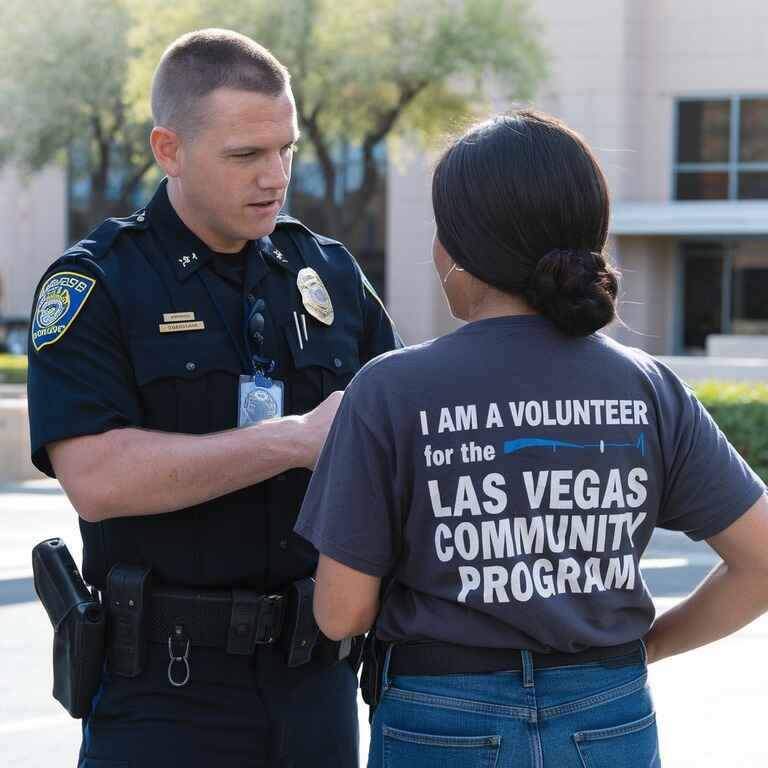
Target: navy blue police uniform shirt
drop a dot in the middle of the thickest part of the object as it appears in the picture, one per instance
(98, 362)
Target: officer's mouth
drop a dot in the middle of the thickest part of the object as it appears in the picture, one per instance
(266, 206)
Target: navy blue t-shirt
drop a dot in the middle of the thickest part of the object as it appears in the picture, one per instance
(505, 480)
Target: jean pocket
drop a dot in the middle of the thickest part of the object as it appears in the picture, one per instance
(404, 748)
(634, 745)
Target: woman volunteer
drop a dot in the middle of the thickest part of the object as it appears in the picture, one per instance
(504, 480)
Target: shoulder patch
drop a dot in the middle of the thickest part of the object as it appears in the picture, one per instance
(59, 302)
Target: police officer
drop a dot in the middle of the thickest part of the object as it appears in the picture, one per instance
(185, 365)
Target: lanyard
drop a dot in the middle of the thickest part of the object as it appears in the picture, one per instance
(254, 363)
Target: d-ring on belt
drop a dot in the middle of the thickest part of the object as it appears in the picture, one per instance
(236, 621)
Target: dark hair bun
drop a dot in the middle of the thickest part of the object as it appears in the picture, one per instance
(575, 289)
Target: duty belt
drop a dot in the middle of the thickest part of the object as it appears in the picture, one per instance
(235, 620)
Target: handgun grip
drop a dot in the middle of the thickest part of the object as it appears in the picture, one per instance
(57, 580)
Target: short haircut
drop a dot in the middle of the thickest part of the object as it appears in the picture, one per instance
(198, 63)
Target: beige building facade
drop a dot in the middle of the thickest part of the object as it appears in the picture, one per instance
(673, 97)
(33, 231)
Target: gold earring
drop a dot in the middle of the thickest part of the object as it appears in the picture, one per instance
(448, 274)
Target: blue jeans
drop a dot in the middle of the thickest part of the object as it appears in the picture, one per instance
(593, 715)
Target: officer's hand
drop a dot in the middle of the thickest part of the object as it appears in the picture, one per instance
(317, 423)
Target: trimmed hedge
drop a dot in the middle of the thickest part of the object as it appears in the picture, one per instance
(741, 411)
(13, 369)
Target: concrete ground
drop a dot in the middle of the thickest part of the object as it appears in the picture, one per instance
(710, 702)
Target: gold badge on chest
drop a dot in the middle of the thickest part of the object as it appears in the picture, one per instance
(314, 296)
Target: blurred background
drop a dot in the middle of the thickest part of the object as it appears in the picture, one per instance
(671, 94)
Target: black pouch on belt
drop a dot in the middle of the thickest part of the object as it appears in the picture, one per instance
(300, 630)
(374, 652)
(78, 626)
(128, 608)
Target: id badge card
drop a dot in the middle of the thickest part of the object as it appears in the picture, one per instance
(260, 398)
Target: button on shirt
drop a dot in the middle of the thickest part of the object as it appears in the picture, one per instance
(112, 367)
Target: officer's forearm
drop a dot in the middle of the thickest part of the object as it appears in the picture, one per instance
(130, 472)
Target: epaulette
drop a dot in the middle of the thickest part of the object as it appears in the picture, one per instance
(97, 243)
(288, 221)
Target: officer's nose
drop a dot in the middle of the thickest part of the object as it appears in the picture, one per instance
(275, 173)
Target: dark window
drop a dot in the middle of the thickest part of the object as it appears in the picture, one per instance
(706, 185)
(753, 131)
(725, 290)
(753, 185)
(749, 285)
(702, 295)
(722, 149)
(704, 129)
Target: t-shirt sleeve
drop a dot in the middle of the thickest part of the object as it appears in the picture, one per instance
(80, 379)
(708, 484)
(351, 511)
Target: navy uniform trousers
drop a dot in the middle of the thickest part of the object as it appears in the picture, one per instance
(236, 712)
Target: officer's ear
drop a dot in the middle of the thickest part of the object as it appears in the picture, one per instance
(166, 147)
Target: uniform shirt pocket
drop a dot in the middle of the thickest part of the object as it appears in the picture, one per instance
(324, 361)
(188, 382)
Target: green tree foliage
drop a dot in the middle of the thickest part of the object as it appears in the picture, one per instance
(361, 72)
(63, 76)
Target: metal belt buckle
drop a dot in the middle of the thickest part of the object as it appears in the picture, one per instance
(269, 622)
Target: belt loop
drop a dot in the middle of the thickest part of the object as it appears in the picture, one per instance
(527, 668)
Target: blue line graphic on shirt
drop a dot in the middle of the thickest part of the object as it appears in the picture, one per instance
(512, 446)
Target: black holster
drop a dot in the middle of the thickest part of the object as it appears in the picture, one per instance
(300, 631)
(374, 653)
(79, 626)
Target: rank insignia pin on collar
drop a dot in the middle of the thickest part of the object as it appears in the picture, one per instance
(185, 261)
(314, 295)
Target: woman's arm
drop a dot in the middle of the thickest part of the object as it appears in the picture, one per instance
(346, 601)
(733, 594)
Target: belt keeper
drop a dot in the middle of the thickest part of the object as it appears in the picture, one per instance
(241, 638)
(255, 620)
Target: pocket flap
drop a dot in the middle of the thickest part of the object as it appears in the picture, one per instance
(182, 356)
(327, 347)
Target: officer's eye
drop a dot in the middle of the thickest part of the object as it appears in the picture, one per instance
(290, 149)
